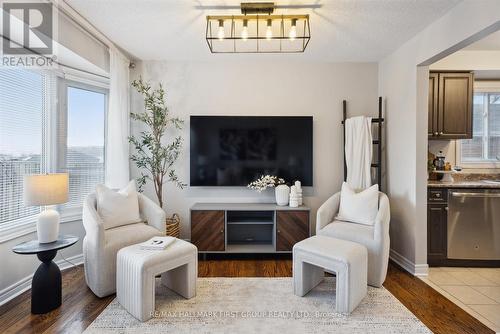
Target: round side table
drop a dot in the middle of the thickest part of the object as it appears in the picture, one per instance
(46, 284)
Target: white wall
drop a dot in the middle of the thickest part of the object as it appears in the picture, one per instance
(469, 60)
(263, 88)
(404, 87)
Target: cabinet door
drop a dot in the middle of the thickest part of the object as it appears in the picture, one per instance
(207, 230)
(455, 105)
(433, 105)
(291, 227)
(436, 233)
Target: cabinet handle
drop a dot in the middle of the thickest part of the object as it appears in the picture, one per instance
(446, 208)
(441, 133)
(436, 133)
(221, 231)
(279, 231)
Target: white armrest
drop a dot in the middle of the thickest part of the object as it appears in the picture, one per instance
(94, 226)
(383, 218)
(152, 213)
(327, 212)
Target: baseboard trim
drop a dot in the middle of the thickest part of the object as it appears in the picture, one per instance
(409, 266)
(24, 284)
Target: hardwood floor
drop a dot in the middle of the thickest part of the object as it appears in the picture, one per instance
(80, 306)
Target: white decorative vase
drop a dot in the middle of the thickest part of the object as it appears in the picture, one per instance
(282, 193)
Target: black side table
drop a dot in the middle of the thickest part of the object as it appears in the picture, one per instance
(46, 285)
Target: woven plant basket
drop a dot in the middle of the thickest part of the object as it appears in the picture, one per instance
(174, 226)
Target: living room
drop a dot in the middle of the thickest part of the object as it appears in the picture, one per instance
(239, 131)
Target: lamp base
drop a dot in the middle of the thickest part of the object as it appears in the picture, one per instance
(47, 226)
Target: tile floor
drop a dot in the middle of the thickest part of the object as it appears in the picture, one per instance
(476, 290)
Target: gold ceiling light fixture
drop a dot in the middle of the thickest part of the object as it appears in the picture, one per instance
(258, 30)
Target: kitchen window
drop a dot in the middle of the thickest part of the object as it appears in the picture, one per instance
(483, 150)
(48, 124)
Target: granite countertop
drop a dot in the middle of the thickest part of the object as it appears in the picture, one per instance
(468, 180)
(464, 184)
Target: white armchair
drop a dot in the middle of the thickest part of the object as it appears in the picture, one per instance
(100, 245)
(375, 238)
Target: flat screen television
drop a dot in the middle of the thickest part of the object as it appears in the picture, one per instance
(236, 150)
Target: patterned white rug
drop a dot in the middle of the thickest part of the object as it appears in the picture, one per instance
(261, 305)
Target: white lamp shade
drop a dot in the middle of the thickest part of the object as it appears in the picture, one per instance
(45, 189)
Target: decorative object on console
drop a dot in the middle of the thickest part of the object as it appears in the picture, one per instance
(264, 182)
(46, 189)
(152, 155)
(294, 200)
(298, 192)
(282, 193)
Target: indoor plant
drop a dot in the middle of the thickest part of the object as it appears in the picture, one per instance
(152, 156)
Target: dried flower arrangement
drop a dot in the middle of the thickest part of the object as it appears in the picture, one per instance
(266, 181)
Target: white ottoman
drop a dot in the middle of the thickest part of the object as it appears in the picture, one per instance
(136, 270)
(349, 260)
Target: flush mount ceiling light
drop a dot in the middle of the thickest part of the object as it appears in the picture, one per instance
(258, 31)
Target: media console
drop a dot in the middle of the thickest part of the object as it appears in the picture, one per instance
(248, 228)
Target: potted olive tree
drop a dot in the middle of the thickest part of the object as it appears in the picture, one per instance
(155, 154)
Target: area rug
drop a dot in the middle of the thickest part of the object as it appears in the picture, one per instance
(261, 305)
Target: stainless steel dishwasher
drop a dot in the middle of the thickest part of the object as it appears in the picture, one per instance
(474, 224)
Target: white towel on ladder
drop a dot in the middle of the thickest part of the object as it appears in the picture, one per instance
(358, 151)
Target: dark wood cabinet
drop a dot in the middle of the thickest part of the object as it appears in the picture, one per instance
(433, 104)
(437, 226)
(450, 105)
(207, 230)
(291, 227)
(437, 217)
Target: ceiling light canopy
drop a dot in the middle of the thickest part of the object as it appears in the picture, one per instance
(258, 31)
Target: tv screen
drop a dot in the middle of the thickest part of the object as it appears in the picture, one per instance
(236, 150)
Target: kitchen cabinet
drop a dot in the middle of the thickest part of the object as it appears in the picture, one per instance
(450, 105)
(437, 218)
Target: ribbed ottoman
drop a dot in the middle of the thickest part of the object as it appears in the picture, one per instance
(349, 260)
(137, 268)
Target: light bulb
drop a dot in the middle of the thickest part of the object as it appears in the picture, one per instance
(293, 30)
(220, 33)
(269, 31)
(244, 32)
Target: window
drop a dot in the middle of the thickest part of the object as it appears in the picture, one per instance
(37, 135)
(22, 119)
(82, 122)
(483, 150)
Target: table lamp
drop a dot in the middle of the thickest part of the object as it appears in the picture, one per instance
(46, 190)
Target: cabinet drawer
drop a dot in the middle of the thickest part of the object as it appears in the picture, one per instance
(437, 195)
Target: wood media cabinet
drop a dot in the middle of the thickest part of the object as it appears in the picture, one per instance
(248, 228)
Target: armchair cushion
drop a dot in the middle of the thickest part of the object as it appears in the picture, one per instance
(361, 207)
(117, 208)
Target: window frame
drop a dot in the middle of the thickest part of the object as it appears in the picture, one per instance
(53, 108)
(63, 83)
(480, 86)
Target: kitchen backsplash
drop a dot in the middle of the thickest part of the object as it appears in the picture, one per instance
(449, 149)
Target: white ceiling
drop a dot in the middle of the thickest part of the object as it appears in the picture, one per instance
(341, 30)
(489, 43)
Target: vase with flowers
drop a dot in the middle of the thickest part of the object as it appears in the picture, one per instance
(282, 191)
